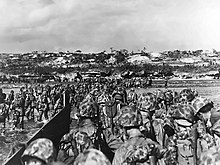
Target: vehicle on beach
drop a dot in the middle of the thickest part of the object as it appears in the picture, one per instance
(37, 78)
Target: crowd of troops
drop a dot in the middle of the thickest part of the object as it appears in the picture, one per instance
(118, 125)
(31, 103)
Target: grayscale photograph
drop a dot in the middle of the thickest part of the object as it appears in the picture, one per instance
(109, 82)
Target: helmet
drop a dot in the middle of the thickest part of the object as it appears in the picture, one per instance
(210, 157)
(82, 139)
(215, 116)
(88, 109)
(138, 154)
(130, 117)
(41, 149)
(168, 96)
(90, 157)
(202, 104)
(183, 114)
(147, 102)
(159, 95)
(187, 95)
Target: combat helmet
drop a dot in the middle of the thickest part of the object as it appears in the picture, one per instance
(168, 97)
(130, 116)
(41, 149)
(183, 114)
(187, 95)
(88, 109)
(83, 140)
(202, 104)
(90, 157)
(147, 102)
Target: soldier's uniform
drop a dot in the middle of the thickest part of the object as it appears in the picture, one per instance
(203, 107)
(73, 144)
(2, 96)
(190, 136)
(182, 118)
(90, 157)
(215, 129)
(88, 123)
(187, 95)
(137, 149)
(147, 104)
(132, 96)
(102, 100)
(43, 107)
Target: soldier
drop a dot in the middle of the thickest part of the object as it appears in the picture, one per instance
(39, 152)
(16, 111)
(179, 132)
(147, 104)
(22, 105)
(137, 149)
(120, 95)
(3, 114)
(30, 105)
(187, 95)
(2, 96)
(102, 100)
(90, 128)
(44, 107)
(90, 157)
(78, 98)
(11, 96)
(203, 107)
(132, 96)
(215, 129)
(74, 143)
(10, 100)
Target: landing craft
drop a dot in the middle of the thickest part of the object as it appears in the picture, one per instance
(53, 130)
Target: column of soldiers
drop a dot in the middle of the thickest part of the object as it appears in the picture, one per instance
(160, 127)
(32, 103)
(151, 128)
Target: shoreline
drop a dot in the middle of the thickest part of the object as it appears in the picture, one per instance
(156, 82)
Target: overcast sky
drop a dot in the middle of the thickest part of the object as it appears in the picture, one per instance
(96, 25)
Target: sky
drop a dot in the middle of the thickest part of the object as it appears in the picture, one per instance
(97, 25)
